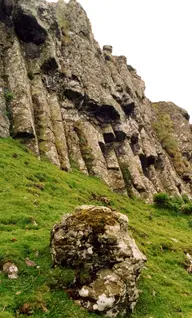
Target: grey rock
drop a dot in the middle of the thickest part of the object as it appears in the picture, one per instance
(95, 242)
(11, 270)
(108, 48)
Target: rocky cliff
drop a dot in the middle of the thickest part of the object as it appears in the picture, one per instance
(79, 105)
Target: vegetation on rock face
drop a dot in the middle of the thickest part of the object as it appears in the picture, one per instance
(63, 22)
(30, 75)
(127, 178)
(163, 127)
(8, 96)
(34, 195)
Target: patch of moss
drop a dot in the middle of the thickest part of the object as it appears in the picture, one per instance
(127, 179)
(97, 219)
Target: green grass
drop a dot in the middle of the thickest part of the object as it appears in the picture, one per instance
(34, 195)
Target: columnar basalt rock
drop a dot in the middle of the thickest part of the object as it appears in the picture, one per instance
(75, 103)
(94, 241)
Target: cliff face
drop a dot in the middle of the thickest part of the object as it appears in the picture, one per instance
(77, 104)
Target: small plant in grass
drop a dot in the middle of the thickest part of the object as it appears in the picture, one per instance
(175, 203)
(61, 278)
(185, 198)
(190, 223)
(162, 200)
(187, 208)
(5, 314)
(165, 201)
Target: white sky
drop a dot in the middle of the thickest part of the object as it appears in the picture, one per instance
(156, 38)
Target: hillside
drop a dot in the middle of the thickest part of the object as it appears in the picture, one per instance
(35, 194)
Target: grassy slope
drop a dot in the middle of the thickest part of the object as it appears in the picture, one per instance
(31, 190)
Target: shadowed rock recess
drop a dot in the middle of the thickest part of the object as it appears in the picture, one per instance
(72, 102)
(94, 241)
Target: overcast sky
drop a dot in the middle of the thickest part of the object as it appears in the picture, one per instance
(156, 38)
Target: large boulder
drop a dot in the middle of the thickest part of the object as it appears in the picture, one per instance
(95, 242)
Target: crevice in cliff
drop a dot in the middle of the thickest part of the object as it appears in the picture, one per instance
(24, 135)
(146, 162)
(134, 143)
(86, 151)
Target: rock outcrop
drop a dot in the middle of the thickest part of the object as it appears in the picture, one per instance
(94, 241)
(75, 103)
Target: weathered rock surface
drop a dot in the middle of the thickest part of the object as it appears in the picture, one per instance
(75, 103)
(95, 242)
(11, 270)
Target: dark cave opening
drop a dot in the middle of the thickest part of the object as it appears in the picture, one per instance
(49, 66)
(135, 143)
(73, 95)
(120, 135)
(104, 113)
(23, 135)
(146, 162)
(187, 178)
(28, 29)
(109, 137)
(129, 108)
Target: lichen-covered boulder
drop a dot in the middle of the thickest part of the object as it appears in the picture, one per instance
(107, 262)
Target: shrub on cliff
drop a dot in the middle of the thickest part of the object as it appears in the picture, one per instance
(180, 204)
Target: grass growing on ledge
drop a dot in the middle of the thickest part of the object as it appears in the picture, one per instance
(63, 22)
(34, 195)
